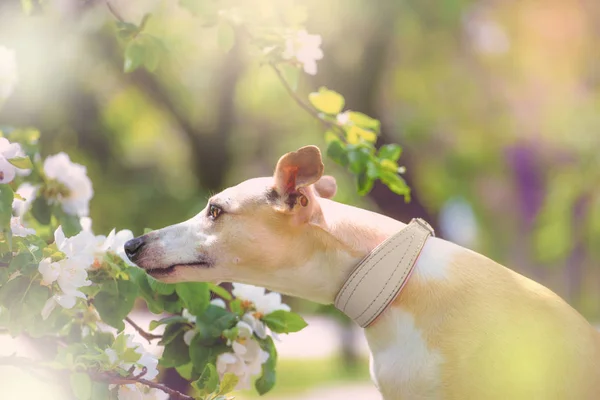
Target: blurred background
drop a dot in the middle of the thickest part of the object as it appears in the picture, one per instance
(496, 104)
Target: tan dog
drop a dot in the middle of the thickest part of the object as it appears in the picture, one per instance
(464, 327)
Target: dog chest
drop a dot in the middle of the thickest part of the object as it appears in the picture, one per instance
(402, 364)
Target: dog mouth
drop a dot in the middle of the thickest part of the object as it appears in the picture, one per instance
(162, 271)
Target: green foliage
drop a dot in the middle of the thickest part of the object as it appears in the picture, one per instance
(176, 352)
(282, 321)
(195, 296)
(81, 384)
(327, 101)
(267, 380)
(115, 301)
(6, 199)
(36, 296)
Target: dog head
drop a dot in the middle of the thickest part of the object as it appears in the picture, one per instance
(255, 229)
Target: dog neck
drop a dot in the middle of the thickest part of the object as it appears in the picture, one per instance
(346, 237)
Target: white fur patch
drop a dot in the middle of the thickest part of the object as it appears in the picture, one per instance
(404, 367)
(435, 258)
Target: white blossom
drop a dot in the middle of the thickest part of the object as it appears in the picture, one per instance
(9, 76)
(112, 355)
(74, 178)
(71, 272)
(187, 315)
(29, 193)
(306, 49)
(258, 327)
(218, 303)
(189, 335)
(8, 151)
(343, 118)
(137, 391)
(245, 362)
(265, 303)
(115, 242)
(146, 360)
(18, 229)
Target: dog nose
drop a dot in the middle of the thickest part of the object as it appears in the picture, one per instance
(133, 247)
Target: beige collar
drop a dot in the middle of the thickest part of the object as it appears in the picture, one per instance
(379, 277)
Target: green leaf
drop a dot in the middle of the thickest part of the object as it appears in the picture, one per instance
(185, 371)
(41, 211)
(176, 353)
(228, 383)
(356, 135)
(327, 101)
(390, 152)
(225, 36)
(161, 287)
(6, 201)
(81, 384)
(135, 54)
(364, 183)
(154, 50)
(21, 162)
(358, 158)
(236, 307)
(100, 391)
(266, 382)
(213, 322)
(337, 152)
(219, 291)
(70, 223)
(167, 320)
(282, 321)
(195, 296)
(202, 355)
(395, 183)
(364, 121)
(208, 381)
(115, 301)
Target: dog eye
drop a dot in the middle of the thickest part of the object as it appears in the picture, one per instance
(214, 211)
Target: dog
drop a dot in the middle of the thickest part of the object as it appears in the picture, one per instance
(463, 327)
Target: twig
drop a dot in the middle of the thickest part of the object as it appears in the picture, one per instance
(99, 376)
(303, 105)
(117, 380)
(114, 12)
(146, 335)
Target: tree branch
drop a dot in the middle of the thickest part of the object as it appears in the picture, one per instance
(114, 12)
(99, 376)
(310, 110)
(146, 335)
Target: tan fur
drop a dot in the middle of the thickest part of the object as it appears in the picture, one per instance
(479, 330)
(502, 335)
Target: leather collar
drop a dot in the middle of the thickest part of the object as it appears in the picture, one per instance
(379, 277)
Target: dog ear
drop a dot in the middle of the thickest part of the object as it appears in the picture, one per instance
(298, 169)
(294, 175)
(326, 187)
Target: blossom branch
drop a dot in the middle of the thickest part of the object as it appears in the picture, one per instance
(119, 380)
(314, 113)
(146, 335)
(99, 376)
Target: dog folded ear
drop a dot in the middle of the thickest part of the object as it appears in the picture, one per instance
(298, 169)
(326, 187)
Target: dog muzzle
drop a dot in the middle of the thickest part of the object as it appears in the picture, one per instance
(380, 277)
